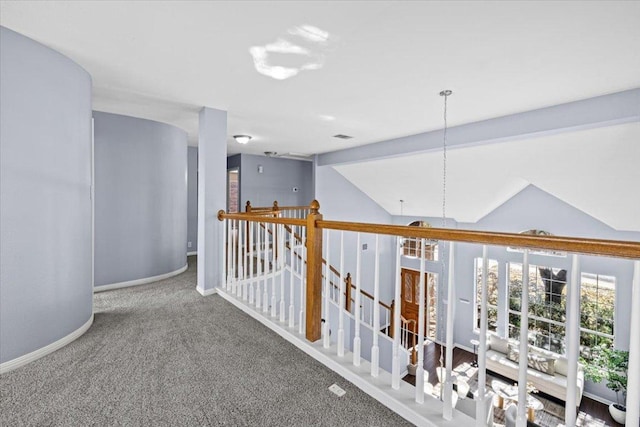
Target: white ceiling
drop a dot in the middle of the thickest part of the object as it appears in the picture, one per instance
(596, 171)
(373, 70)
(377, 74)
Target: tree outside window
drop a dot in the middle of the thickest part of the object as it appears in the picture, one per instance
(492, 294)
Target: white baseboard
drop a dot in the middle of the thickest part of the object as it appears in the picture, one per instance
(41, 352)
(142, 281)
(192, 253)
(206, 292)
(401, 401)
(597, 398)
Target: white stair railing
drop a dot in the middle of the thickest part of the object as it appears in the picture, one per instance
(262, 253)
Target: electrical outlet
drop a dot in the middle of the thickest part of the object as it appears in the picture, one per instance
(365, 246)
(188, 244)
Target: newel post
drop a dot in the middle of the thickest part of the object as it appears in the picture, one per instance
(247, 207)
(347, 301)
(313, 322)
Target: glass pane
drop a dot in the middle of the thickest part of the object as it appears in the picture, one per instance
(408, 288)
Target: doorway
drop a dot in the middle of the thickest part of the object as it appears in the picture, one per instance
(233, 190)
(410, 302)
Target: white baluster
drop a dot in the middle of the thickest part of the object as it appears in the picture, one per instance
(283, 260)
(356, 334)
(420, 368)
(234, 257)
(303, 286)
(240, 260)
(572, 340)
(633, 372)
(260, 258)
(292, 270)
(451, 295)
(267, 269)
(341, 299)
(375, 348)
(229, 250)
(395, 367)
(326, 341)
(223, 260)
(245, 264)
(274, 269)
(251, 263)
(481, 416)
(521, 419)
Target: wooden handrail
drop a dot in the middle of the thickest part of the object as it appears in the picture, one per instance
(259, 218)
(274, 208)
(615, 248)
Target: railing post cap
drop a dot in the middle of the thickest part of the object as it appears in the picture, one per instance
(314, 206)
(275, 204)
(220, 214)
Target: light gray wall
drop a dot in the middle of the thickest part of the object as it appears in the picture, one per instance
(340, 200)
(192, 199)
(212, 196)
(276, 182)
(45, 205)
(141, 198)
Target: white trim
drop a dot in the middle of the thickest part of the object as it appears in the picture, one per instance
(192, 253)
(206, 292)
(597, 398)
(142, 281)
(41, 352)
(400, 401)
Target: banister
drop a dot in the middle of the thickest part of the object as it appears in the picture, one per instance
(274, 207)
(259, 218)
(615, 248)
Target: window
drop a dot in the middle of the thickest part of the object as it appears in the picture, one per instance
(233, 190)
(492, 294)
(546, 288)
(597, 305)
(411, 247)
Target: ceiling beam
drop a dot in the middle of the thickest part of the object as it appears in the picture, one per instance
(606, 110)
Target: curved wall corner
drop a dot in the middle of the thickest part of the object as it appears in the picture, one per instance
(141, 200)
(45, 205)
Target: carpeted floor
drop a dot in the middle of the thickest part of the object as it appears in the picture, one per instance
(162, 355)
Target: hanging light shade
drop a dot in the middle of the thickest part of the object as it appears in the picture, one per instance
(242, 139)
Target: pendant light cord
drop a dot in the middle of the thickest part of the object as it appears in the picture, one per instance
(446, 94)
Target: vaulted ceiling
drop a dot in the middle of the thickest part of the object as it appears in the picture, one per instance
(596, 171)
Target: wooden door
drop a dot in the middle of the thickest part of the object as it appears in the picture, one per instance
(410, 294)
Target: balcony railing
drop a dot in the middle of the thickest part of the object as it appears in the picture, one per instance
(288, 267)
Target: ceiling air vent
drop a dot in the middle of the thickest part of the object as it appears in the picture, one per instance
(341, 136)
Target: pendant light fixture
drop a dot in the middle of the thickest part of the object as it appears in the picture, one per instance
(446, 93)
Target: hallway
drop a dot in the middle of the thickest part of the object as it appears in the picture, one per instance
(161, 354)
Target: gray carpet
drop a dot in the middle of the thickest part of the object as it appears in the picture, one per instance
(162, 355)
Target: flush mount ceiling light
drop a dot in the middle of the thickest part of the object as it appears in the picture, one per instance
(242, 139)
